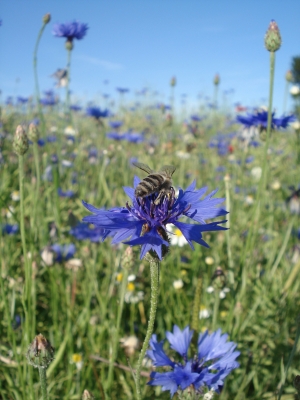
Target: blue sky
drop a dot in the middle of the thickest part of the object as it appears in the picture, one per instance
(143, 43)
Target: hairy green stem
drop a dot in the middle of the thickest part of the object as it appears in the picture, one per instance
(154, 272)
(43, 380)
(262, 183)
(228, 238)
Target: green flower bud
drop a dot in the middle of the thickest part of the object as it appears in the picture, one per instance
(87, 395)
(173, 81)
(217, 79)
(272, 37)
(69, 44)
(20, 142)
(47, 18)
(40, 352)
(33, 133)
(289, 76)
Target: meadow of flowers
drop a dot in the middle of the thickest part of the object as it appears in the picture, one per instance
(105, 294)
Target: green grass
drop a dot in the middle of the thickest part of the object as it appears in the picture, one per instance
(76, 310)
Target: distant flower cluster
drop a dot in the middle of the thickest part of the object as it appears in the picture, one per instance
(260, 119)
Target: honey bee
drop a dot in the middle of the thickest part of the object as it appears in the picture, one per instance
(160, 182)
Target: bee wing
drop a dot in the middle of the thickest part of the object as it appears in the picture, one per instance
(143, 167)
(167, 170)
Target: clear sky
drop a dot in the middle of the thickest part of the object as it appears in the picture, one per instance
(143, 43)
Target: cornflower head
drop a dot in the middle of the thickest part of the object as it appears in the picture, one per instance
(70, 31)
(260, 119)
(97, 113)
(144, 221)
(214, 360)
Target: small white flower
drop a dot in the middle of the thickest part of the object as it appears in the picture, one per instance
(256, 173)
(53, 129)
(15, 196)
(66, 163)
(178, 284)
(70, 131)
(130, 344)
(209, 395)
(131, 278)
(249, 200)
(204, 313)
(134, 297)
(47, 256)
(294, 90)
(276, 185)
(176, 237)
(183, 155)
(210, 289)
(295, 125)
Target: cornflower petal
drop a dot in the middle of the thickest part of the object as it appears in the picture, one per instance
(180, 340)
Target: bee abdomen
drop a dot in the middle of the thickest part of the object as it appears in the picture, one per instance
(149, 185)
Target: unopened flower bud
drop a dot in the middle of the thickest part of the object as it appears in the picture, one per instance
(87, 395)
(173, 81)
(40, 352)
(289, 76)
(47, 18)
(217, 79)
(33, 133)
(20, 142)
(69, 44)
(272, 37)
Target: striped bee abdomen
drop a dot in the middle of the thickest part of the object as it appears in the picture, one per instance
(149, 185)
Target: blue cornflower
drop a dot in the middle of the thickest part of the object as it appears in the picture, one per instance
(144, 222)
(96, 112)
(10, 229)
(196, 118)
(67, 193)
(214, 360)
(115, 124)
(75, 108)
(63, 252)
(260, 119)
(48, 101)
(122, 90)
(134, 137)
(70, 30)
(83, 231)
(115, 135)
(22, 100)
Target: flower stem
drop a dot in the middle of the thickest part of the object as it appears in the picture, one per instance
(37, 90)
(290, 358)
(154, 272)
(196, 306)
(43, 380)
(27, 294)
(216, 309)
(67, 109)
(262, 183)
(118, 324)
(38, 182)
